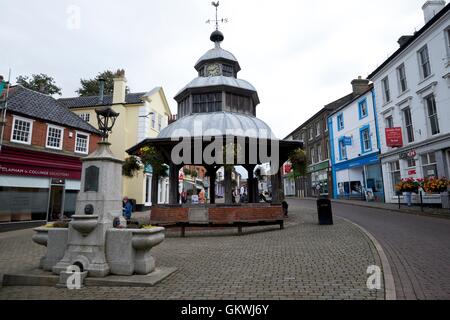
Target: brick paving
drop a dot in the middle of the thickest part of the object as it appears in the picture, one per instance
(417, 248)
(304, 261)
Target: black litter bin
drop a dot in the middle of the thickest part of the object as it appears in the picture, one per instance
(325, 212)
(285, 207)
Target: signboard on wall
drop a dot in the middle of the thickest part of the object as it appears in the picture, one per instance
(394, 137)
(347, 141)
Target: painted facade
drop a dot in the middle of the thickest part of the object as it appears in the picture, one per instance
(142, 115)
(355, 147)
(413, 94)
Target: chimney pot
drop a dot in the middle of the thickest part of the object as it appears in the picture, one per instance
(360, 86)
(403, 40)
(120, 87)
(432, 8)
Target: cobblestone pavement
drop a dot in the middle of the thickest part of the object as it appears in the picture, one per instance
(304, 261)
(417, 248)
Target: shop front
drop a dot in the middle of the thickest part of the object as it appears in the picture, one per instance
(320, 179)
(37, 186)
(360, 179)
(425, 160)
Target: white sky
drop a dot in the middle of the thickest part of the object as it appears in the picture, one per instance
(299, 54)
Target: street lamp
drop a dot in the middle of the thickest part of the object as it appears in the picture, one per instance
(106, 118)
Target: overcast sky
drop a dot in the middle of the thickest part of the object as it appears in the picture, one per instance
(299, 54)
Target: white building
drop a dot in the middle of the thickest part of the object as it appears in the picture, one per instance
(412, 93)
(354, 146)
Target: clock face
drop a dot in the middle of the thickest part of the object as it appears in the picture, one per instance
(213, 70)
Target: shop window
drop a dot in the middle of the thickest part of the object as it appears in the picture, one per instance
(396, 176)
(22, 130)
(54, 137)
(429, 165)
(411, 163)
(23, 204)
(82, 143)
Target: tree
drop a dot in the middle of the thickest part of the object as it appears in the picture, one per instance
(39, 82)
(90, 87)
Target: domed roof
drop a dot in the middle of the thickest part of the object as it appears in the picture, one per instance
(202, 82)
(217, 53)
(218, 124)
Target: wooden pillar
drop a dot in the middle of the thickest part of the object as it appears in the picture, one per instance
(228, 185)
(212, 186)
(252, 194)
(173, 185)
(277, 193)
(155, 189)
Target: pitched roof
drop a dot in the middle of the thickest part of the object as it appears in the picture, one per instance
(329, 107)
(354, 98)
(411, 40)
(94, 101)
(40, 106)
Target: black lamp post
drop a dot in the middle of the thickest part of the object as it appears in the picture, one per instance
(106, 118)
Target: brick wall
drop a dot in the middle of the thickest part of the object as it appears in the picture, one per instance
(219, 215)
(39, 136)
(167, 214)
(235, 214)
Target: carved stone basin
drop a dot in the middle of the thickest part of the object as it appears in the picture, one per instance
(145, 239)
(41, 236)
(84, 224)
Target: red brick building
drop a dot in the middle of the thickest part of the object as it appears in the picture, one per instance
(40, 157)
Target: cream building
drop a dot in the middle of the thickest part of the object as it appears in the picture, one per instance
(142, 115)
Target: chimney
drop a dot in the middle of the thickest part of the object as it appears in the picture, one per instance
(403, 40)
(432, 8)
(120, 87)
(101, 84)
(360, 86)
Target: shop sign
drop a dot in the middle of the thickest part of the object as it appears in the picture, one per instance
(394, 137)
(408, 155)
(347, 141)
(17, 170)
(318, 167)
(412, 172)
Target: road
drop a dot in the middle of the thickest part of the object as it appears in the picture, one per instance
(417, 247)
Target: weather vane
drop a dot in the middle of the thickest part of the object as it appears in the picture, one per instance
(223, 20)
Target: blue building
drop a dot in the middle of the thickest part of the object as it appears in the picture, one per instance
(355, 147)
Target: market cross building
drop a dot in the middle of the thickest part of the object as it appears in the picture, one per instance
(217, 108)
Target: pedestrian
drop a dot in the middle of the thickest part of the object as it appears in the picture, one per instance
(127, 208)
(184, 197)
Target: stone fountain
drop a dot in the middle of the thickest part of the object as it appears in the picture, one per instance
(91, 243)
